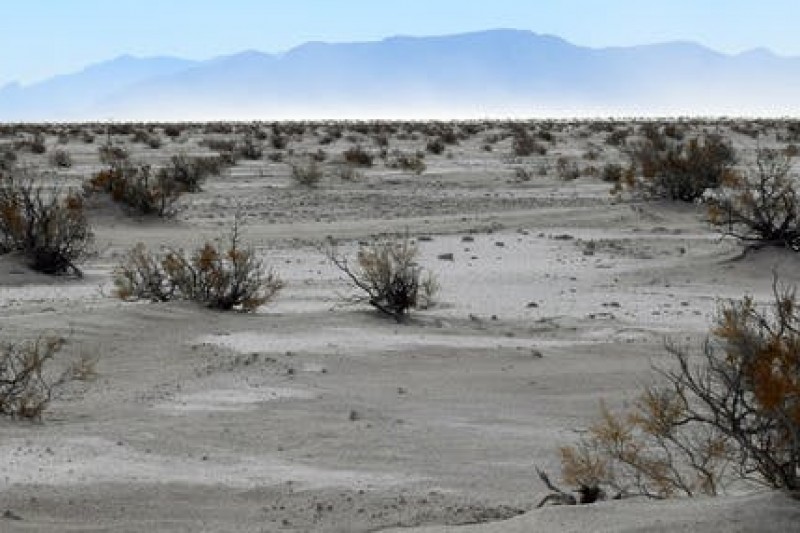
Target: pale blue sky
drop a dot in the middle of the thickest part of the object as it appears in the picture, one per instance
(41, 38)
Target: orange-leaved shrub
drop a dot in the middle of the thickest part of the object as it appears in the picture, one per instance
(732, 413)
(222, 276)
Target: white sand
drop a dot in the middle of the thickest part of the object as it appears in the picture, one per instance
(314, 416)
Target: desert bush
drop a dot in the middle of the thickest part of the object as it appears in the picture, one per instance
(347, 172)
(173, 130)
(617, 137)
(612, 173)
(25, 388)
(762, 206)
(387, 277)
(279, 142)
(410, 162)
(219, 145)
(50, 229)
(357, 156)
(149, 138)
(525, 145)
(35, 144)
(567, 169)
(249, 148)
(8, 158)
(522, 174)
(190, 172)
(734, 414)
(222, 276)
(61, 158)
(112, 155)
(135, 187)
(435, 146)
(308, 175)
(681, 171)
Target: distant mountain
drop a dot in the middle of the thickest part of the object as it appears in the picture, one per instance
(497, 73)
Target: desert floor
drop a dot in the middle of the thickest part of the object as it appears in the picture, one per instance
(312, 415)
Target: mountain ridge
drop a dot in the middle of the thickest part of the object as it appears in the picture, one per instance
(501, 72)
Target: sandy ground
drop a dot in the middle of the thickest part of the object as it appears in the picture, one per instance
(314, 416)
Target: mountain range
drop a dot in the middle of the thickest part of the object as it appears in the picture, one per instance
(495, 73)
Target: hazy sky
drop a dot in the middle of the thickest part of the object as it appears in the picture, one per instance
(41, 38)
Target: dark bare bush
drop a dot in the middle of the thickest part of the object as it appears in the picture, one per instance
(61, 158)
(733, 414)
(435, 146)
(524, 145)
(279, 142)
(612, 173)
(25, 387)
(387, 277)
(49, 228)
(684, 170)
(357, 156)
(224, 276)
(761, 208)
(173, 130)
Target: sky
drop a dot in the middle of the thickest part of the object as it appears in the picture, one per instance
(42, 38)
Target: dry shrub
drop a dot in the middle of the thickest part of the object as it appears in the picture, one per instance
(357, 156)
(308, 175)
(25, 388)
(435, 146)
(681, 170)
(112, 155)
(249, 148)
(733, 415)
(388, 277)
(35, 144)
(219, 277)
(567, 169)
(61, 158)
(137, 188)
(760, 208)
(190, 172)
(410, 162)
(525, 145)
(8, 158)
(49, 228)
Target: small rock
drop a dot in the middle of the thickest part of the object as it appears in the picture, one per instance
(11, 515)
(446, 257)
